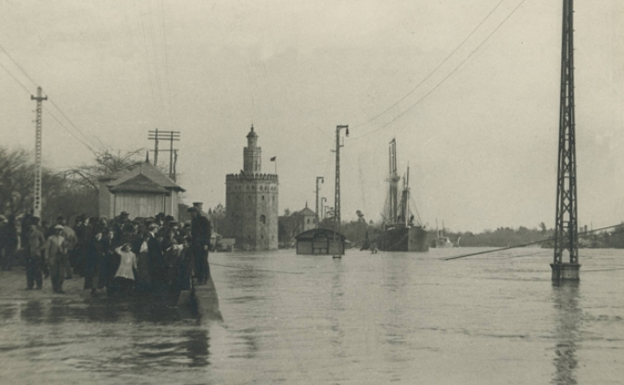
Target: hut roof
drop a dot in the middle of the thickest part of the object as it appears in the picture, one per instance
(139, 183)
(148, 171)
(314, 233)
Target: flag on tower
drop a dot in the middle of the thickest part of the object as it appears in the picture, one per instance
(273, 159)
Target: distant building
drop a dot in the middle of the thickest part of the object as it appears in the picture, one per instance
(142, 191)
(251, 203)
(297, 222)
(305, 219)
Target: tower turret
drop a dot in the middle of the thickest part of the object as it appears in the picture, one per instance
(252, 154)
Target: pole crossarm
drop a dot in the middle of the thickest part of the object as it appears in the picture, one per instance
(170, 136)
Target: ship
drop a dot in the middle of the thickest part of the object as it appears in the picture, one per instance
(402, 231)
(441, 241)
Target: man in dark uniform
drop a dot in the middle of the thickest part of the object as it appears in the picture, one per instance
(200, 243)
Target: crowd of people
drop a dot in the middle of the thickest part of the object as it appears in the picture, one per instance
(143, 255)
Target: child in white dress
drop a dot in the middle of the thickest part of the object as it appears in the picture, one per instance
(127, 266)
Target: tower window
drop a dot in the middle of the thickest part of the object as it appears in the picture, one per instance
(262, 219)
(263, 197)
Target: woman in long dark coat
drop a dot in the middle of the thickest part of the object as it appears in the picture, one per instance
(93, 263)
(109, 261)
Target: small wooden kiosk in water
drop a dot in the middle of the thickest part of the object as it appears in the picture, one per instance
(320, 241)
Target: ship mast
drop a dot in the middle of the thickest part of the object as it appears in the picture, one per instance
(393, 179)
(406, 198)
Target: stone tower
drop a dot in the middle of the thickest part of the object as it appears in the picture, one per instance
(251, 202)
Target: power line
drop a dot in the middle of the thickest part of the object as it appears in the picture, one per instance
(47, 110)
(17, 65)
(50, 100)
(15, 78)
(69, 132)
(435, 69)
(103, 147)
(447, 76)
(529, 244)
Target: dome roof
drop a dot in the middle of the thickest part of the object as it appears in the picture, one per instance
(252, 134)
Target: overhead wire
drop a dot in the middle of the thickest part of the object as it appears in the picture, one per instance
(23, 71)
(149, 60)
(453, 71)
(15, 78)
(530, 243)
(435, 69)
(50, 112)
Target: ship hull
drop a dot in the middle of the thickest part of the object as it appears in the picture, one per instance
(404, 239)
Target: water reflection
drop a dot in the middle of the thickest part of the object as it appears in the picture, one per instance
(568, 320)
(338, 307)
(33, 312)
(134, 334)
(202, 306)
(197, 347)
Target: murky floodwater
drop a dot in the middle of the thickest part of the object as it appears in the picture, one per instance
(404, 318)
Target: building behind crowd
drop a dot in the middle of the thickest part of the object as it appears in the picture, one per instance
(252, 202)
(142, 190)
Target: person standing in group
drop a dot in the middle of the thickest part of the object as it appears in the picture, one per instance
(118, 228)
(70, 242)
(35, 245)
(200, 243)
(84, 236)
(93, 263)
(10, 241)
(55, 253)
(140, 249)
(108, 265)
(3, 237)
(155, 259)
(127, 268)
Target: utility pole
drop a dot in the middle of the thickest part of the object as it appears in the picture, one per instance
(337, 186)
(175, 163)
(322, 180)
(38, 154)
(566, 220)
(171, 136)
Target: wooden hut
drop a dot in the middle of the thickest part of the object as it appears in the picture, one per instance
(320, 241)
(142, 191)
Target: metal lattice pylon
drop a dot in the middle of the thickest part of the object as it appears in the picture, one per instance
(38, 154)
(566, 224)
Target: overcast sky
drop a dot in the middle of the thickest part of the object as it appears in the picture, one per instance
(474, 110)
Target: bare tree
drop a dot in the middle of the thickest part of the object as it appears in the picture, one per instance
(105, 163)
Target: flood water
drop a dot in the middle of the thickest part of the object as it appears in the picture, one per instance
(402, 318)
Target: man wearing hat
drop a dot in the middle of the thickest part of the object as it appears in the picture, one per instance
(3, 241)
(200, 243)
(118, 225)
(36, 244)
(9, 243)
(70, 241)
(155, 259)
(55, 252)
